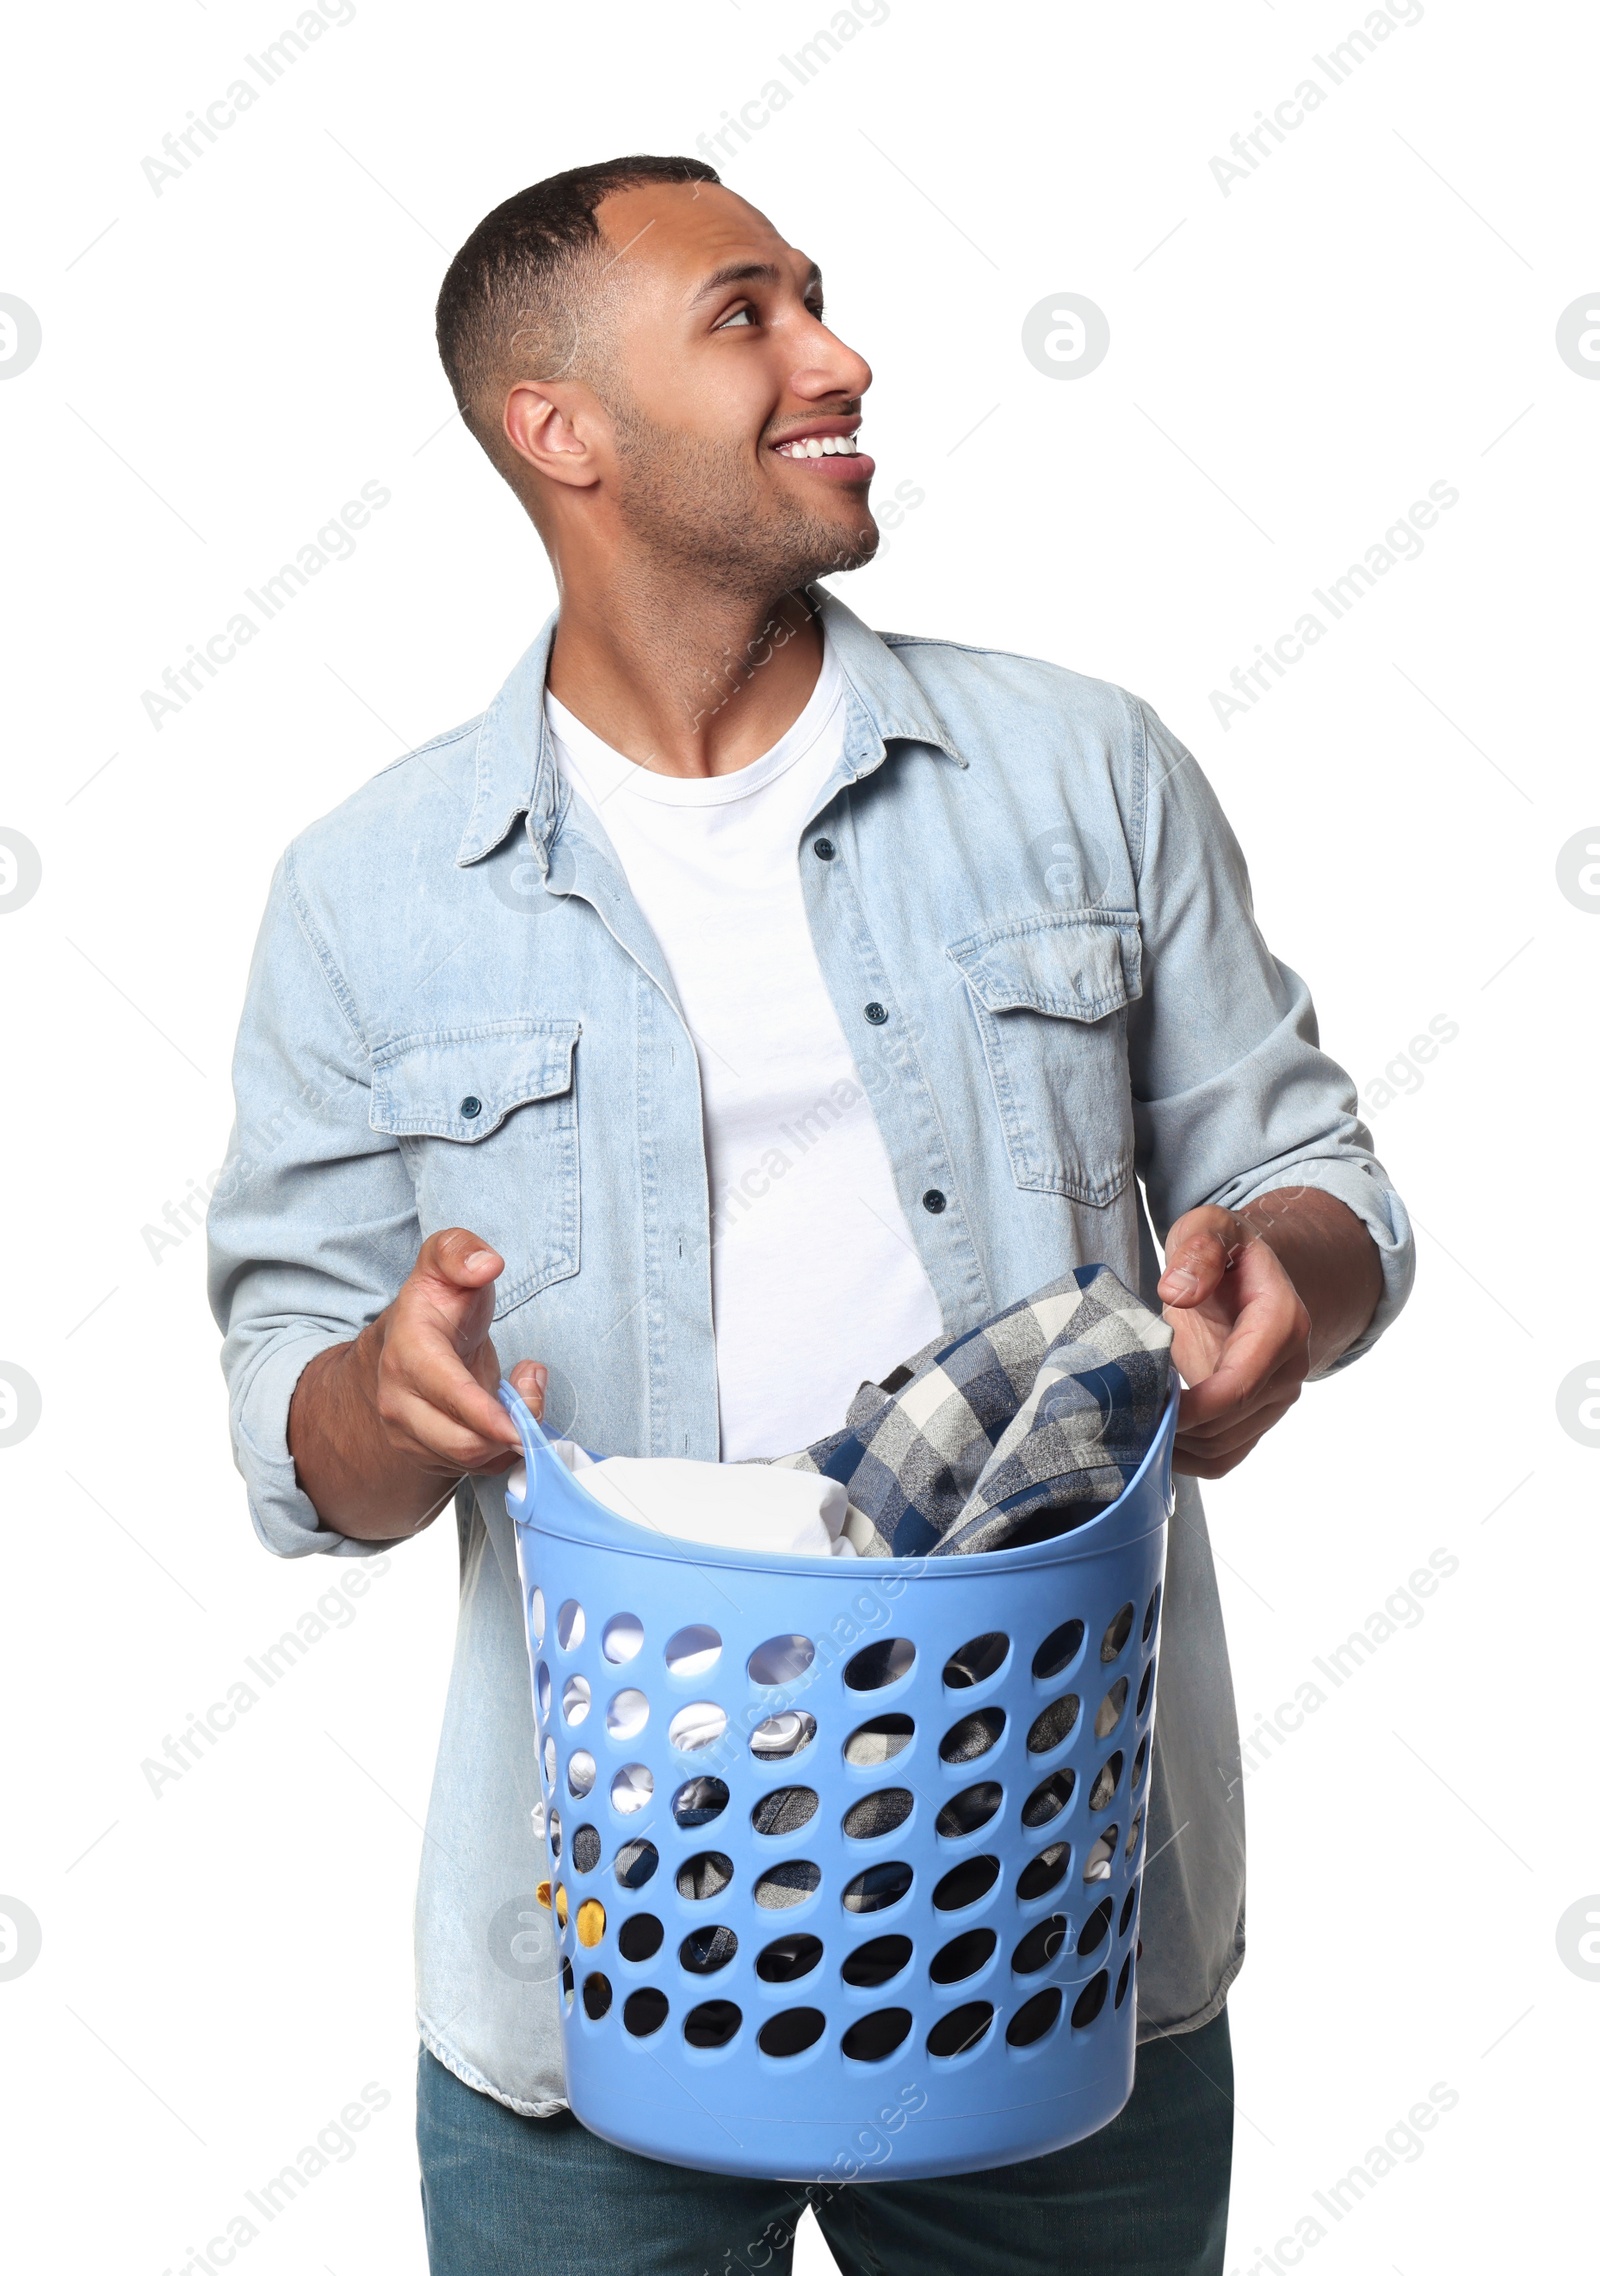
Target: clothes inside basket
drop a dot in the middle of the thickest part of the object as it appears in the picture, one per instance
(1014, 1431)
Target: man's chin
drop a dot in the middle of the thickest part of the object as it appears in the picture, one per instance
(848, 543)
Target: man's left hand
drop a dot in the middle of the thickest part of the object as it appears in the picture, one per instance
(1241, 1338)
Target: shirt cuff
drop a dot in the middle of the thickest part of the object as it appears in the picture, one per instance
(1361, 1185)
(283, 1516)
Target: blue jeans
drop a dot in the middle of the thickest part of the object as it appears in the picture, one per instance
(1146, 2196)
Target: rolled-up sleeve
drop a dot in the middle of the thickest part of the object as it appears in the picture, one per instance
(1233, 1097)
(312, 1225)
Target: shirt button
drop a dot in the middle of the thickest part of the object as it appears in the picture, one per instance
(471, 1106)
(933, 1201)
(822, 848)
(875, 1013)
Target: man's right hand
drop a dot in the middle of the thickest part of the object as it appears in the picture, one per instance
(382, 1429)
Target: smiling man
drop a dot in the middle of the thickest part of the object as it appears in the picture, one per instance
(742, 1001)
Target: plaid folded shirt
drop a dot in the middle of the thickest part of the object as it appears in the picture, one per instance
(1023, 1428)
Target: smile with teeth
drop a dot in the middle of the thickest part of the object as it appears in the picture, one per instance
(819, 446)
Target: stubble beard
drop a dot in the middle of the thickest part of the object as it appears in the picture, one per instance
(699, 513)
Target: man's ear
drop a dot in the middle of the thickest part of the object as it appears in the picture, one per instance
(559, 429)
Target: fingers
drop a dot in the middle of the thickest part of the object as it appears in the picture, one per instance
(529, 1379)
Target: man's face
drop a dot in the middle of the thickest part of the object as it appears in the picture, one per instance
(735, 406)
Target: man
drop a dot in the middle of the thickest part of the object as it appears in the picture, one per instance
(741, 1001)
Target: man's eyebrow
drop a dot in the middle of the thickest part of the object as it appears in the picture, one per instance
(750, 272)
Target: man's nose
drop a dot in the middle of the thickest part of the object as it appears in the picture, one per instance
(831, 369)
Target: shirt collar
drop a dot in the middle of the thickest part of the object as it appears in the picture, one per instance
(516, 770)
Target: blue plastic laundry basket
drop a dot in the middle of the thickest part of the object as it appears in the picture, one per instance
(929, 1966)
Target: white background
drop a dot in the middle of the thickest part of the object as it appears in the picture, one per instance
(1370, 311)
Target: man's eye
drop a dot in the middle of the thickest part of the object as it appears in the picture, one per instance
(739, 316)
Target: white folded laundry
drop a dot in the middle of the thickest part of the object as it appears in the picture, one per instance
(728, 1505)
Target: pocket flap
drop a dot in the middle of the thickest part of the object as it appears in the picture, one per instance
(1071, 964)
(464, 1081)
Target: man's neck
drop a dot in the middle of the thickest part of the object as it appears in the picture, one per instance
(692, 687)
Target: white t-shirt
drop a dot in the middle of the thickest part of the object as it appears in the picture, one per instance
(816, 1283)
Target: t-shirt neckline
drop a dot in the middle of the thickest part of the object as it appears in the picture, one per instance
(608, 770)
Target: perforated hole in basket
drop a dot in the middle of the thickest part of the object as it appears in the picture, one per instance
(878, 1741)
(1134, 1832)
(712, 2024)
(974, 1735)
(777, 1737)
(639, 1938)
(1109, 1712)
(536, 1616)
(1054, 1724)
(692, 1651)
(698, 1801)
(1150, 1611)
(876, 1815)
(1123, 1978)
(1105, 1781)
(965, 1812)
(622, 1638)
(880, 1664)
(961, 2030)
(1141, 1758)
(870, 1966)
(785, 1810)
(705, 1950)
(1041, 1874)
(1058, 1651)
(549, 1760)
(966, 1883)
(636, 1861)
(1129, 1906)
(627, 1713)
(874, 2038)
(706, 1874)
(790, 1883)
(585, 1849)
(792, 2032)
(632, 1788)
(780, 1660)
(1096, 1928)
(569, 1625)
(1117, 1634)
(877, 1888)
(787, 1958)
(580, 1772)
(644, 2011)
(1049, 1798)
(596, 1995)
(553, 1833)
(1146, 1686)
(1090, 2001)
(963, 1956)
(1097, 1865)
(1040, 1946)
(698, 1725)
(575, 1696)
(1034, 2018)
(975, 1662)
(541, 1690)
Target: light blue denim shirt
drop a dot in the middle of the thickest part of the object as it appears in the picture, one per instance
(457, 1015)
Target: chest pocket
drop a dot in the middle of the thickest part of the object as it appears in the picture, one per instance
(487, 1119)
(1050, 993)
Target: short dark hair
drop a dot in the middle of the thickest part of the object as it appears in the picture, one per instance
(512, 295)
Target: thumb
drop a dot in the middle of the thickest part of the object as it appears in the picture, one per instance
(1197, 1259)
(457, 1261)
